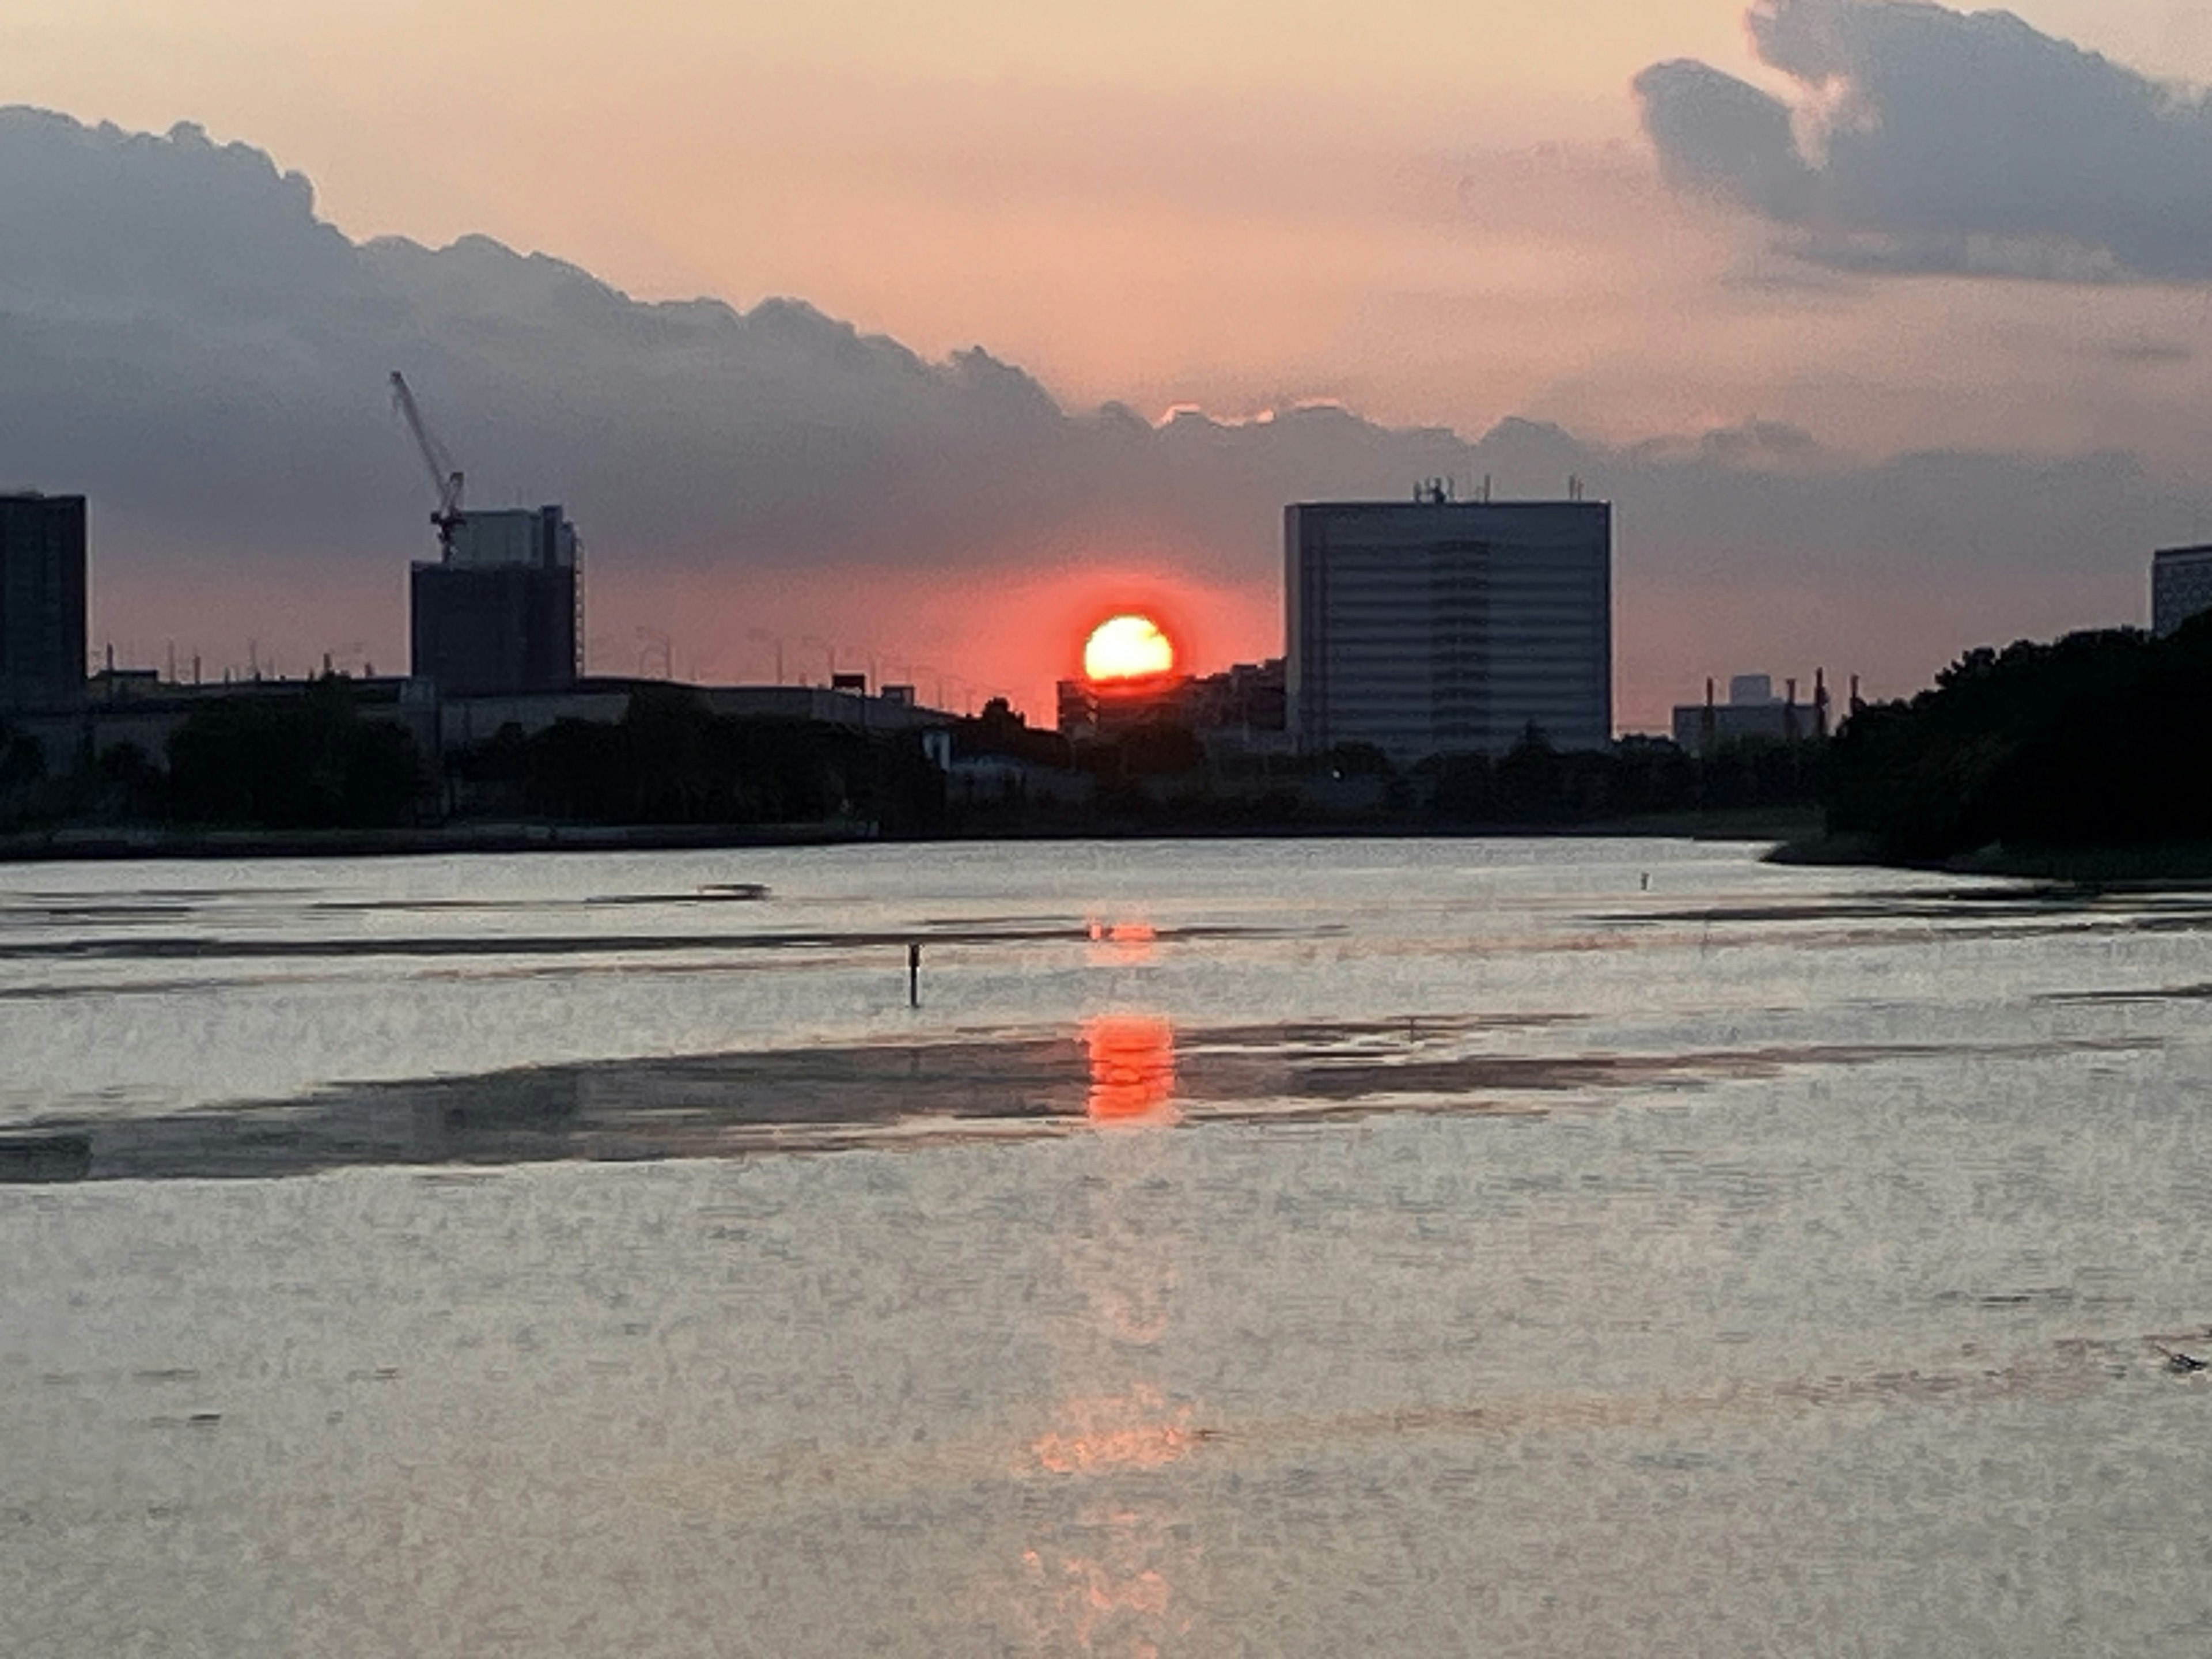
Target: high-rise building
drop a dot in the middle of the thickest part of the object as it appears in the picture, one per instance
(42, 601)
(1435, 626)
(498, 614)
(2180, 587)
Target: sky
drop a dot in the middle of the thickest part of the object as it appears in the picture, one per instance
(1886, 326)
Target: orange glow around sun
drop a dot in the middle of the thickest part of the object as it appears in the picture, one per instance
(1127, 647)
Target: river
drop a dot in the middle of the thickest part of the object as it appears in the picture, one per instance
(1506, 1246)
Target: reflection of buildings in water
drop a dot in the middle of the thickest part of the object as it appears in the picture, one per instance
(1131, 1068)
(1110, 1571)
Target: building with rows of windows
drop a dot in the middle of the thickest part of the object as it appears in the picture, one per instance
(1435, 626)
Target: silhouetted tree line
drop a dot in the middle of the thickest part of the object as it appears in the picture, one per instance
(671, 761)
(1156, 748)
(1157, 776)
(2100, 739)
(22, 762)
(1534, 784)
(311, 760)
(999, 730)
(303, 762)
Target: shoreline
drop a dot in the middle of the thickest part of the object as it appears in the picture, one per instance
(121, 843)
(124, 843)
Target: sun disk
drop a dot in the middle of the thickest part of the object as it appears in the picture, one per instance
(1127, 647)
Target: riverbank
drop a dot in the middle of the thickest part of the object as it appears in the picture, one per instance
(1789, 825)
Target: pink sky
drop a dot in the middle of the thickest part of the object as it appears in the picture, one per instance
(1435, 213)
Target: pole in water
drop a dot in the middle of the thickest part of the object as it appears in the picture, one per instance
(913, 976)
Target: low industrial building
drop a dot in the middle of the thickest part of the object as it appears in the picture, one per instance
(1094, 710)
(1752, 713)
(462, 722)
(1243, 704)
(135, 708)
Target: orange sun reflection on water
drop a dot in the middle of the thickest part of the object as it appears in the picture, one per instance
(1111, 1563)
(1136, 1431)
(1131, 1068)
(1121, 943)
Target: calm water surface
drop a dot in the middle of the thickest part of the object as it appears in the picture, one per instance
(1405, 1248)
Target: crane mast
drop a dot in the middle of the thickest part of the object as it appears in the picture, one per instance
(445, 477)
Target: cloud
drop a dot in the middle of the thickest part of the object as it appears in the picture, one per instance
(183, 338)
(1924, 140)
(1716, 132)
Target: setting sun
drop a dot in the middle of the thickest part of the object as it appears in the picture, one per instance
(1127, 647)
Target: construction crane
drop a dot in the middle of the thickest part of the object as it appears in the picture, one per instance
(445, 477)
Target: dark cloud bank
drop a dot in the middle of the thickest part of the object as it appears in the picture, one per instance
(1930, 140)
(183, 338)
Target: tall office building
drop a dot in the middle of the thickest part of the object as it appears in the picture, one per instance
(498, 614)
(2180, 587)
(1434, 626)
(42, 601)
